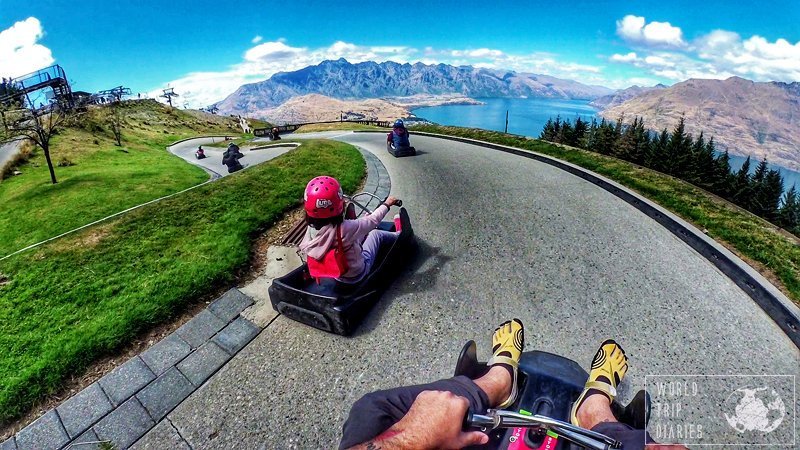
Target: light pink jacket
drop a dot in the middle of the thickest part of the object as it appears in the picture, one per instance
(316, 244)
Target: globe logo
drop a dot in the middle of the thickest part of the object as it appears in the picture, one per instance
(755, 410)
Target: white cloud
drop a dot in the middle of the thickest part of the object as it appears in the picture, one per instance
(20, 52)
(755, 57)
(634, 29)
(718, 54)
(270, 51)
(629, 57)
(257, 39)
(675, 66)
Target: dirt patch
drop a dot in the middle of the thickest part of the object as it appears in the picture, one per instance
(273, 236)
(88, 238)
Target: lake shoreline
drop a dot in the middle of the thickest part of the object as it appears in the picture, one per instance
(527, 117)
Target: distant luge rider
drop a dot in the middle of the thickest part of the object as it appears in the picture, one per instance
(399, 135)
(275, 134)
(200, 153)
(231, 158)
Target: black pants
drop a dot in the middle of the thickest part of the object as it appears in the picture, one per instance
(377, 411)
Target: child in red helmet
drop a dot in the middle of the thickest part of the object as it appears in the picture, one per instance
(338, 248)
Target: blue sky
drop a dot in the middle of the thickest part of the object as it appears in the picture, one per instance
(206, 49)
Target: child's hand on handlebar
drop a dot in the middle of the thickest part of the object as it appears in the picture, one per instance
(391, 201)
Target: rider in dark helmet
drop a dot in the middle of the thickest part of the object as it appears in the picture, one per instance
(399, 135)
(231, 158)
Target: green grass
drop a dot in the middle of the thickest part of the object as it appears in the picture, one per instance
(241, 141)
(775, 255)
(104, 178)
(85, 295)
(258, 123)
(316, 127)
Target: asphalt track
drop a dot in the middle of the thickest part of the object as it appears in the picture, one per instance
(500, 236)
(7, 152)
(213, 163)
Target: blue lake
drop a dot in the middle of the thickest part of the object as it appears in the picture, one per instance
(527, 116)
(789, 176)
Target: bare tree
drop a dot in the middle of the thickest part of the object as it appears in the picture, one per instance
(115, 120)
(37, 125)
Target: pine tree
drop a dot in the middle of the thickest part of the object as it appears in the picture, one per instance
(626, 144)
(556, 128)
(761, 171)
(579, 131)
(606, 137)
(789, 215)
(757, 201)
(641, 138)
(590, 139)
(723, 175)
(548, 132)
(566, 134)
(769, 195)
(656, 151)
(678, 151)
(742, 190)
(703, 165)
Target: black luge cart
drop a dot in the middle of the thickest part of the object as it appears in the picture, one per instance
(337, 307)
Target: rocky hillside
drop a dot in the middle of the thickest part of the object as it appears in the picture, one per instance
(621, 96)
(747, 118)
(319, 108)
(343, 80)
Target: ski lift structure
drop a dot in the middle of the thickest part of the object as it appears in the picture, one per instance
(115, 94)
(168, 94)
(52, 80)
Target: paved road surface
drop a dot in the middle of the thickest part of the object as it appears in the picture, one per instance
(501, 236)
(213, 163)
(7, 151)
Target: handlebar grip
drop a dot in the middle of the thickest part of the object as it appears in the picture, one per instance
(397, 203)
(479, 421)
(467, 424)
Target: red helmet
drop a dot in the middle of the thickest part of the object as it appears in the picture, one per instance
(324, 198)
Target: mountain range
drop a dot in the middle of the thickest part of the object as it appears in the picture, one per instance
(745, 117)
(343, 80)
(623, 95)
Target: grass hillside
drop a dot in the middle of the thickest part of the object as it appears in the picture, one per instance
(100, 178)
(83, 296)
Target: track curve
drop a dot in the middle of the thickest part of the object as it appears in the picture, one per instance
(500, 236)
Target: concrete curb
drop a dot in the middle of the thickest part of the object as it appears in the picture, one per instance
(198, 137)
(262, 147)
(772, 301)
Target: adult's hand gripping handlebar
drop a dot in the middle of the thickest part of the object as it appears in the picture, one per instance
(495, 418)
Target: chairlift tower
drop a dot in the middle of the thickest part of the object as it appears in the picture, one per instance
(116, 93)
(168, 94)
